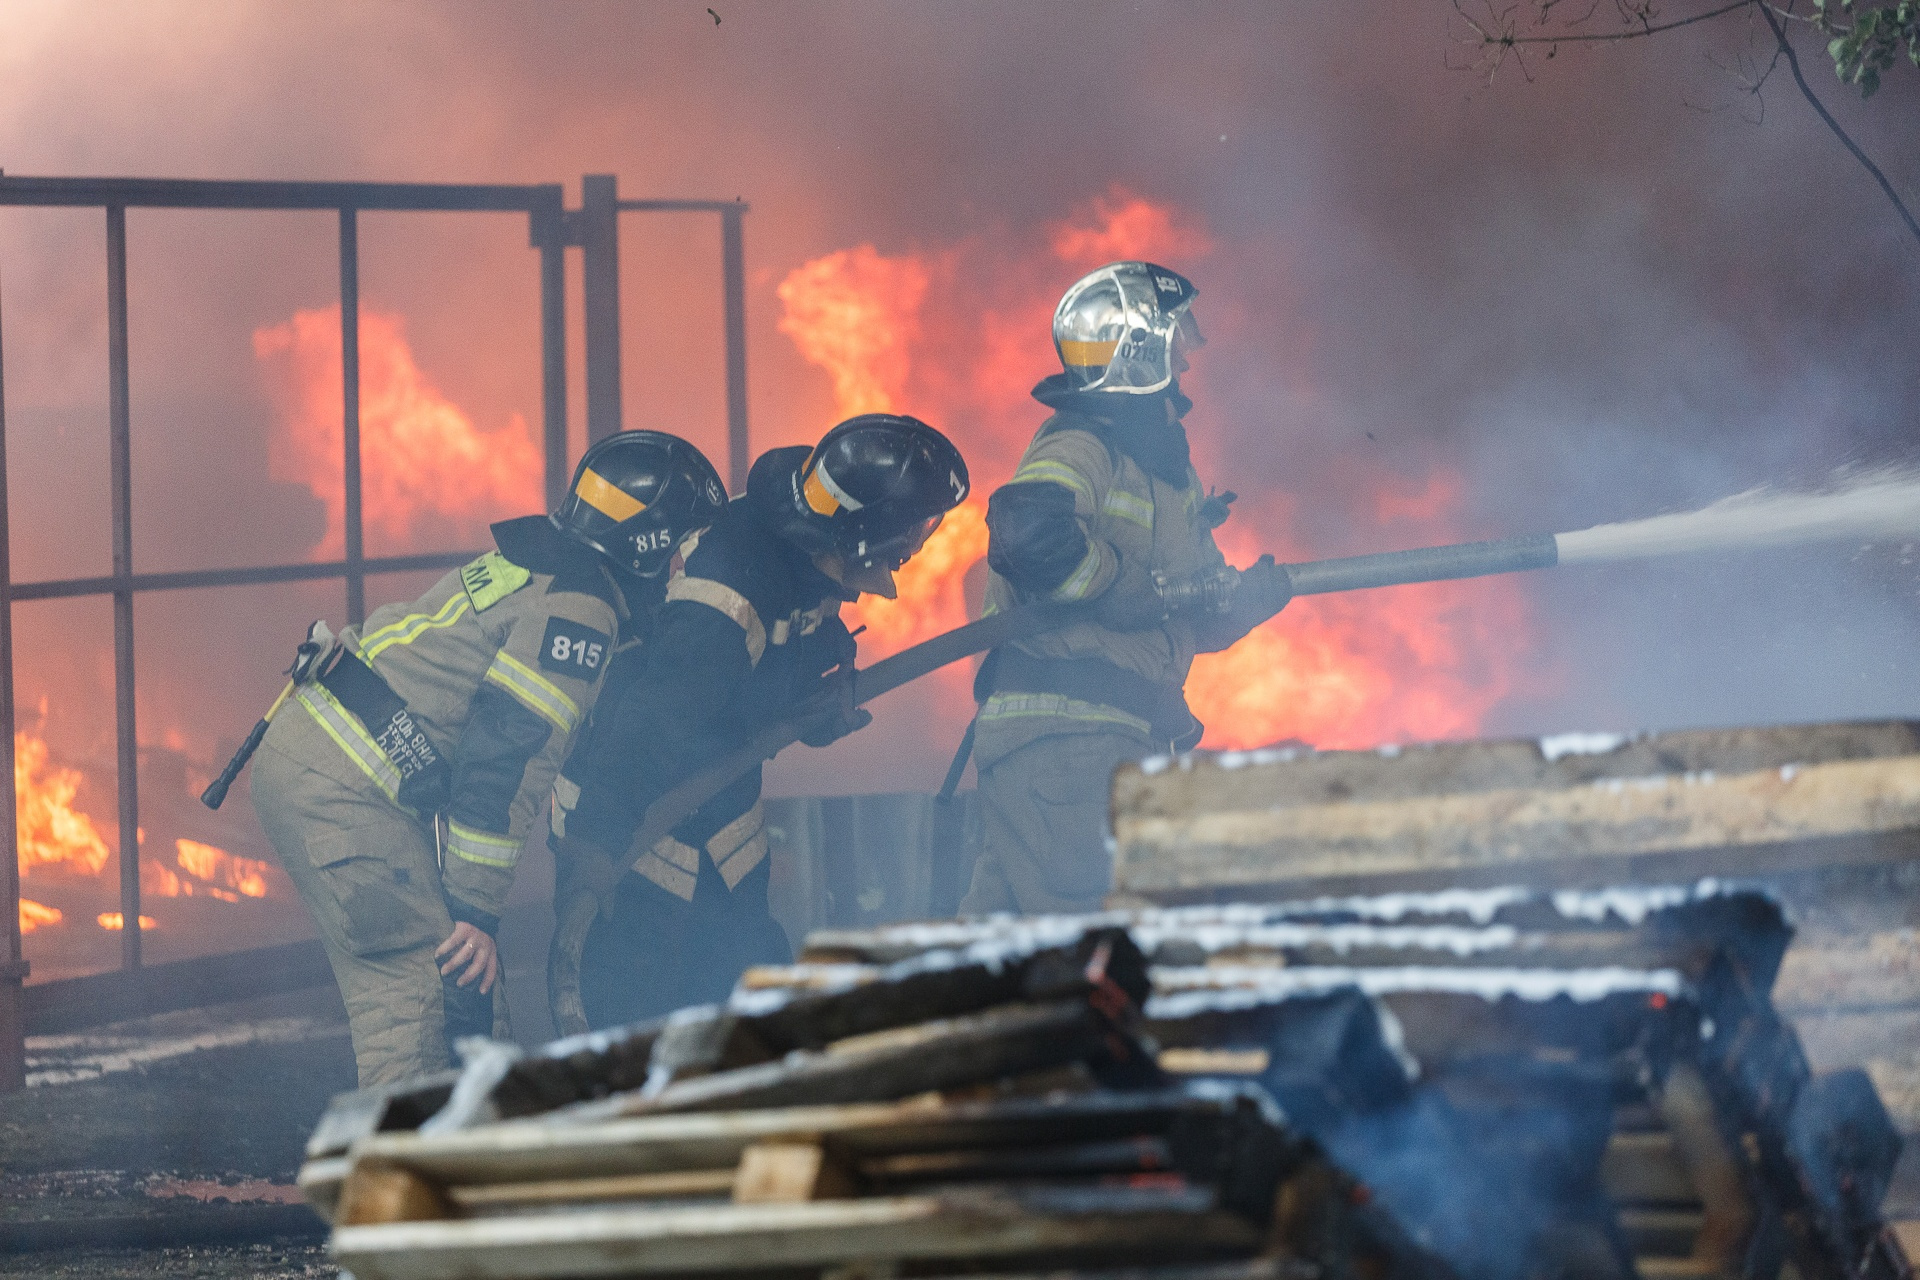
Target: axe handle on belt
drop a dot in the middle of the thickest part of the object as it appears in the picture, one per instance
(319, 637)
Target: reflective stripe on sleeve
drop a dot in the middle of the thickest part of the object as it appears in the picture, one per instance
(483, 847)
(720, 596)
(539, 694)
(1049, 471)
(412, 627)
(1020, 706)
(1080, 581)
(346, 731)
(1129, 506)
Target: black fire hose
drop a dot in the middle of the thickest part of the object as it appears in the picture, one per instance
(578, 902)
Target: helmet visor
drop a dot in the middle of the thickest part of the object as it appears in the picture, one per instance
(893, 551)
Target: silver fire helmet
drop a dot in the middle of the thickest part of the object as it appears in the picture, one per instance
(1114, 329)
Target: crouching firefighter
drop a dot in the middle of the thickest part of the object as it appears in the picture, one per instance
(423, 745)
(1105, 508)
(750, 626)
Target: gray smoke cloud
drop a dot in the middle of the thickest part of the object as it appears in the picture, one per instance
(1598, 295)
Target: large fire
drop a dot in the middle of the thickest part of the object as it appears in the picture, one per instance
(1404, 664)
(52, 832)
(429, 472)
(58, 840)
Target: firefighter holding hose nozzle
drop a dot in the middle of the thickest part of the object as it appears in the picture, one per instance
(421, 747)
(1105, 508)
(750, 628)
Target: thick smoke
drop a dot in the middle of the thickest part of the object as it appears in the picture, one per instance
(1592, 296)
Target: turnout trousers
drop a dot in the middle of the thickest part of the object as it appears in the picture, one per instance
(368, 873)
(655, 952)
(1043, 822)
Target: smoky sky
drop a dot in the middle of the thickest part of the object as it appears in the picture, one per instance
(1620, 286)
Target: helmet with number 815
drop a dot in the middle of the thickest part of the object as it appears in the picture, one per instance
(636, 494)
(1116, 328)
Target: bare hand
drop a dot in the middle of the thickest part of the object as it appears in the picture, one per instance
(468, 946)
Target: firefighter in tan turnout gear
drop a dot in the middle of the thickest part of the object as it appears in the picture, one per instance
(1105, 508)
(400, 783)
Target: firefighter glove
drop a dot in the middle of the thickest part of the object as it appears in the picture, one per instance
(840, 718)
(1263, 590)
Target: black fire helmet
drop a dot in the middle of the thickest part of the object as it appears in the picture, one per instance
(636, 494)
(875, 487)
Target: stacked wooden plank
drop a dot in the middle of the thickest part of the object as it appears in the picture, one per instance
(1826, 817)
(1594, 1080)
(992, 1108)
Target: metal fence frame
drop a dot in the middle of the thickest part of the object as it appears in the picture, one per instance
(552, 228)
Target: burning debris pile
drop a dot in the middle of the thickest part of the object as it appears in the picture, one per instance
(993, 1107)
(1492, 1084)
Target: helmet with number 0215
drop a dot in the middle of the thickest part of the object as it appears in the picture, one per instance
(875, 488)
(1121, 329)
(636, 494)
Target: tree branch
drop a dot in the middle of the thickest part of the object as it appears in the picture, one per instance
(1505, 38)
(1806, 91)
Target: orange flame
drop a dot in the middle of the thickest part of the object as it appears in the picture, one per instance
(33, 915)
(52, 834)
(1120, 225)
(1407, 664)
(855, 314)
(429, 470)
(245, 876)
(114, 920)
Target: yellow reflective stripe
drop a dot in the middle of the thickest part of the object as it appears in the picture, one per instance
(483, 847)
(739, 847)
(669, 877)
(540, 695)
(1080, 581)
(720, 596)
(1046, 469)
(412, 627)
(1129, 506)
(352, 738)
(607, 498)
(1087, 355)
(1057, 706)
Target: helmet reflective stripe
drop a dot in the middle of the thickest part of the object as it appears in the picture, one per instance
(615, 504)
(635, 495)
(1114, 328)
(1087, 355)
(873, 488)
(823, 495)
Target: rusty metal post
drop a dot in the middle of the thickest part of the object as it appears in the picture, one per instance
(600, 295)
(734, 272)
(120, 454)
(548, 236)
(13, 965)
(350, 413)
